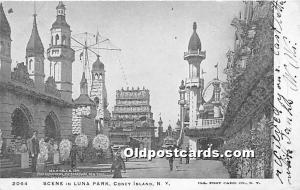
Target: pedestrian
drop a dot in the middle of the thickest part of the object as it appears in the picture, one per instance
(180, 157)
(117, 165)
(187, 158)
(171, 159)
(34, 150)
(73, 155)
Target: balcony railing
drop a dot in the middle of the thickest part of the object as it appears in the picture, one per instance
(209, 123)
(195, 53)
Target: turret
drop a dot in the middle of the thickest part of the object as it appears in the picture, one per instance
(60, 53)
(98, 93)
(160, 129)
(194, 84)
(35, 57)
(5, 47)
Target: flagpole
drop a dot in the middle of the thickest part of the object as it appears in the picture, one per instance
(217, 71)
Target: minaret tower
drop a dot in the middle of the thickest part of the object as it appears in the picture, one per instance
(160, 129)
(60, 53)
(182, 102)
(5, 47)
(194, 83)
(35, 57)
(98, 92)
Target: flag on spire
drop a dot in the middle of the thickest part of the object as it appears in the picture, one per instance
(10, 11)
(97, 37)
(80, 56)
(217, 66)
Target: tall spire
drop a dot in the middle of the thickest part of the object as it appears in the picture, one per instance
(4, 25)
(83, 98)
(83, 84)
(34, 46)
(34, 9)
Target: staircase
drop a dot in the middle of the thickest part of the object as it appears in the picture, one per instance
(8, 163)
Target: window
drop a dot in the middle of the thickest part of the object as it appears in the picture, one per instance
(2, 47)
(96, 100)
(64, 40)
(96, 76)
(56, 38)
(29, 66)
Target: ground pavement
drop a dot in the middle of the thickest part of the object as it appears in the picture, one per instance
(159, 168)
(142, 168)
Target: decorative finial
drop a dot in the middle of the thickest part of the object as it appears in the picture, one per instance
(195, 26)
(217, 66)
(34, 9)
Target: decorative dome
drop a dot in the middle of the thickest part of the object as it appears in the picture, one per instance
(160, 122)
(60, 22)
(60, 18)
(98, 65)
(195, 43)
(34, 46)
(4, 25)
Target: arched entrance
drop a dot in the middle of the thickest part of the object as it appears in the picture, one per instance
(52, 127)
(21, 121)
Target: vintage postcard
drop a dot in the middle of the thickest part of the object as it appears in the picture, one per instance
(149, 94)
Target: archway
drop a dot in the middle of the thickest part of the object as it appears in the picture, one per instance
(52, 127)
(21, 121)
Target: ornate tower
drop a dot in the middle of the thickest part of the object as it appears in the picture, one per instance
(35, 57)
(194, 83)
(182, 102)
(98, 93)
(84, 111)
(160, 129)
(5, 47)
(60, 53)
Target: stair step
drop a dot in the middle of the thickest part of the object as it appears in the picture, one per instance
(10, 166)
(5, 160)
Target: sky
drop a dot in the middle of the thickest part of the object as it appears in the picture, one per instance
(152, 37)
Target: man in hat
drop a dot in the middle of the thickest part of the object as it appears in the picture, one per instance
(171, 158)
(187, 158)
(117, 165)
(34, 150)
(73, 154)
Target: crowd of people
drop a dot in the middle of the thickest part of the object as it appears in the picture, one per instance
(117, 165)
